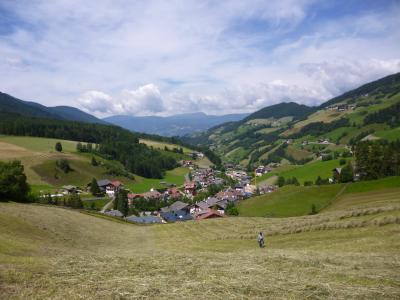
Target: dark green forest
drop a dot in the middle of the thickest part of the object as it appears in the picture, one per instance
(377, 159)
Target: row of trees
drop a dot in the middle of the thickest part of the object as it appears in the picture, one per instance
(72, 200)
(389, 115)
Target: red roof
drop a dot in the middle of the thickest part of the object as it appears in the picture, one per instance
(190, 185)
(116, 183)
(134, 196)
(209, 215)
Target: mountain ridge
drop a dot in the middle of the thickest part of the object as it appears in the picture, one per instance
(10, 104)
(175, 125)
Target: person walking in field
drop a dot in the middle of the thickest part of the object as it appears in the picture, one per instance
(260, 239)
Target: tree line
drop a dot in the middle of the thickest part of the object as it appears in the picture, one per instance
(389, 115)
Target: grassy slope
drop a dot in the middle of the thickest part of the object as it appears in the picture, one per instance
(389, 134)
(39, 144)
(296, 201)
(289, 201)
(50, 252)
(310, 171)
(176, 176)
(39, 159)
(161, 145)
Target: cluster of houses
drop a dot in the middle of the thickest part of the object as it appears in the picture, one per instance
(261, 170)
(238, 175)
(340, 107)
(323, 141)
(171, 193)
(196, 154)
(207, 177)
(108, 187)
(212, 207)
(198, 180)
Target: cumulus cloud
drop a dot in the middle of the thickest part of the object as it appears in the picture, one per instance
(96, 101)
(339, 76)
(145, 100)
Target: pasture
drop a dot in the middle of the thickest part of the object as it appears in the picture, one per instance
(310, 171)
(175, 176)
(162, 145)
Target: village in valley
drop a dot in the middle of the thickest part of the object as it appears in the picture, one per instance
(206, 193)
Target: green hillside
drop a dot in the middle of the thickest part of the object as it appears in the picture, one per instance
(291, 201)
(39, 159)
(12, 105)
(310, 171)
(45, 254)
(370, 110)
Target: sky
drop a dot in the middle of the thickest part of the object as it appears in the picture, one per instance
(170, 57)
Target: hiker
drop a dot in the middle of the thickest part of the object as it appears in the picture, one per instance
(260, 240)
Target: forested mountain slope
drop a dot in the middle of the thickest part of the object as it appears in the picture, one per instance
(9, 104)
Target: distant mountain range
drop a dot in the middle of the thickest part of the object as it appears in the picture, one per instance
(176, 125)
(9, 104)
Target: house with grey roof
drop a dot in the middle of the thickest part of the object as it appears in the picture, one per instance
(177, 205)
(114, 213)
(145, 219)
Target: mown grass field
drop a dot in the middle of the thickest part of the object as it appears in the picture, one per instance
(38, 144)
(162, 145)
(56, 253)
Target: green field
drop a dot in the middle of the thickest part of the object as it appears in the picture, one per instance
(289, 201)
(39, 144)
(298, 154)
(161, 145)
(56, 253)
(39, 159)
(82, 173)
(373, 185)
(99, 203)
(389, 134)
(141, 185)
(310, 171)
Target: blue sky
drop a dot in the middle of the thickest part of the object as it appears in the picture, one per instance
(166, 57)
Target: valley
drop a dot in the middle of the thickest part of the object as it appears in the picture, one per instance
(118, 214)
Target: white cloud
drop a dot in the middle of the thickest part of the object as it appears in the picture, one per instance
(339, 76)
(158, 57)
(144, 100)
(97, 102)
